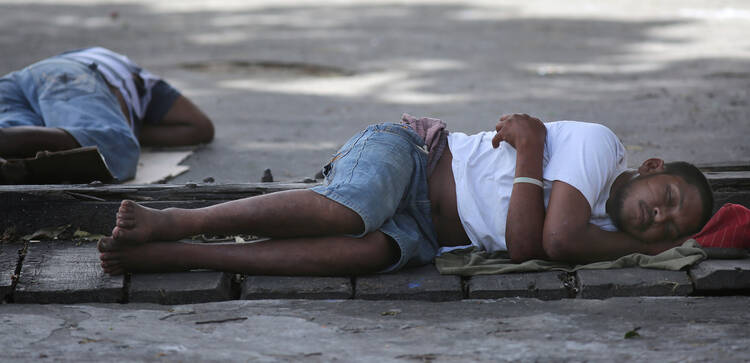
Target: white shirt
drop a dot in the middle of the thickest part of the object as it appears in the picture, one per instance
(586, 156)
(120, 72)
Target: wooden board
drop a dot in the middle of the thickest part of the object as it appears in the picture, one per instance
(294, 287)
(29, 208)
(540, 285)
(632, 281)
(92, 207)
(419, 283)
(65, 272)
(79, 165)
(715, 275)
(181, 287)
(8, 262)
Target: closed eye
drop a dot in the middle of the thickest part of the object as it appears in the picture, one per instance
(669, 195)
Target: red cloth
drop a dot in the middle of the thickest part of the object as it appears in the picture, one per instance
(729, 227)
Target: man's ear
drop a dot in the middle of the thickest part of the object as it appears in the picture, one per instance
(650, 166)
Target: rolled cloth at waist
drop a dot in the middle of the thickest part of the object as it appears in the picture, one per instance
(435, 137)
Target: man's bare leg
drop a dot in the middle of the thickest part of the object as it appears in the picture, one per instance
(292, 213)
(316, 256)
(26, 141)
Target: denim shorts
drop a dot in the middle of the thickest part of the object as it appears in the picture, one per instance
(66, 94)
(380, 173)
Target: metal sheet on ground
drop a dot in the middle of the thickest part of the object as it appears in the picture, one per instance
(65, 272)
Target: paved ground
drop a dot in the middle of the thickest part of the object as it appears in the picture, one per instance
(661, 330)
(286, 82)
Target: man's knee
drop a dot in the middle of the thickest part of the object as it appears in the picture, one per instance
(383, 249)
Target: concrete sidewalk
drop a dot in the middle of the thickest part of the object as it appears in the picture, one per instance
(287, 82)
(614, 330)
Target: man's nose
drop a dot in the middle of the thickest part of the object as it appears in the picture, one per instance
(660, 214)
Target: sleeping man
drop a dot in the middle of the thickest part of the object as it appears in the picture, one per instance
(93, 97)
(558, 191)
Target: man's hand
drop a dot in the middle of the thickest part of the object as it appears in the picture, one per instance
(520, 130)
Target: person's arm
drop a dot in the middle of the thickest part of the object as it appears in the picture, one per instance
(184, 124)
(526, 215)
(569, 237)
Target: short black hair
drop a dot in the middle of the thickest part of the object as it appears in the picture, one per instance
(693, 176)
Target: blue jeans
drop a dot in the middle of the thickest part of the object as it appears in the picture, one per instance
(380, 174)
(66, 94)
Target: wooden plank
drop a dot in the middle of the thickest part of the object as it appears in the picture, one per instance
(8, 262)
(737, 197)
(633, 281)
(188, 191)
(65, 272)
(420, 283)
(729, 179)
(725, 166)
(181, 287)
(92, 208)
(714, 275)
(293, 287)
(93, 217)
(540, 285)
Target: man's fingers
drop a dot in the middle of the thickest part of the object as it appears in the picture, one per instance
(505, 117)
(496, 140)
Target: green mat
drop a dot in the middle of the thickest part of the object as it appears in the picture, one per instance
(472, 261)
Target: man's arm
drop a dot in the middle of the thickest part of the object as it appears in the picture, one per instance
(569, 237)
(526, 216)
(183, 124)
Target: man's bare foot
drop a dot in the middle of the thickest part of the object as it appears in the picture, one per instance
(134, 226)
(111, 259)
(131, 258)
(144, 257)
(138, 224)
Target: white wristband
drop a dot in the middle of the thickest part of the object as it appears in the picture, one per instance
(523, 179)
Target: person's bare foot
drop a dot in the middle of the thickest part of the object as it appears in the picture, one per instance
(144, 257)
(134, 226)
(112, 263)
(137, 224)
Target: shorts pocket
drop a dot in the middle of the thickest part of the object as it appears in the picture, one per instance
(65, 83)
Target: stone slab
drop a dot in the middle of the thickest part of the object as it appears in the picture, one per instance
(8, 261)
(292, 287)
(600, 284)
(721, 275)
(420, 283)
(180, 287)
(540, 285)
(65, 272)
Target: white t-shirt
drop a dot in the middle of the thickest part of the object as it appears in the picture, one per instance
(121, 73)
(585, 155)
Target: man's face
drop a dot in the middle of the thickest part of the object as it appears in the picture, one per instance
(656, 207)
